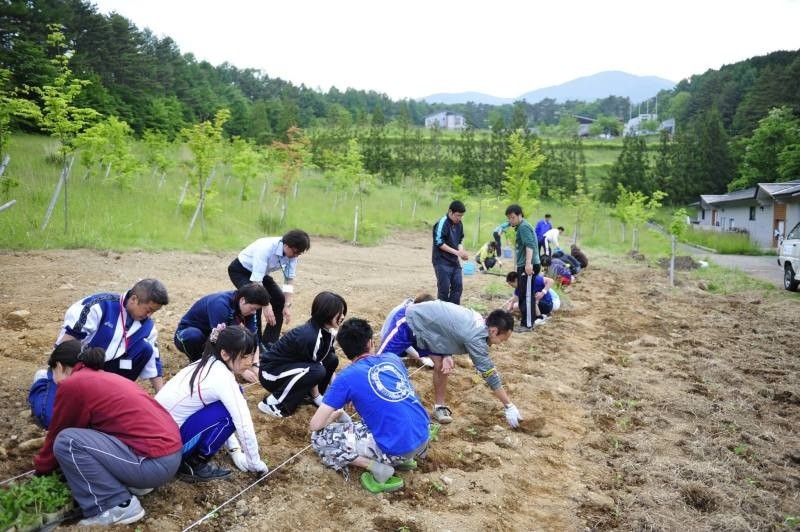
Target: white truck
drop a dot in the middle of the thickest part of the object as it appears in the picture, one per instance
(789, 258)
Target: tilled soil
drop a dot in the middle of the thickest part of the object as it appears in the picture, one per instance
(646, 408)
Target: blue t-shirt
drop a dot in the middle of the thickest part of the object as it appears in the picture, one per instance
(538, 286)
(379, 388)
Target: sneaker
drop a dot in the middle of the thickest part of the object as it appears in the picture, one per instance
(443, 415)
(202, 473)
(140, 492)
(522, 329)
(539, 321)
(40, 374)
(270, 409)
(119, 515)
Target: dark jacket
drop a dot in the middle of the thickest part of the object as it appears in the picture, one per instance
(446, 232)
(213, 309)
(576, 252)
(306, 343)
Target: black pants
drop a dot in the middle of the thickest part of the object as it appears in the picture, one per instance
(499, 250)
(240, 276)
(290, 382)
(526, 299)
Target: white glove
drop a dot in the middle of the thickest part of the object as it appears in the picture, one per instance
(238, 458)
(344, 418)
(427, 362)
(261, 468)
(513, 416)
(318, 399)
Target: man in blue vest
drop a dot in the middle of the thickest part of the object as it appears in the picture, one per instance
(121, 325)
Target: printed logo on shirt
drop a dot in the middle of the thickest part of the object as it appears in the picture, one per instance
(389, 383)
(108, 324)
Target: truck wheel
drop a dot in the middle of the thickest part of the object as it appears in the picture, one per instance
(789, 280)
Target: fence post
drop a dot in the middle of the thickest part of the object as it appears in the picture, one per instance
(355, 227)
(6, 205)
(672, 262)
(61, 180)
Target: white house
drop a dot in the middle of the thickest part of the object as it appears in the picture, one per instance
(634, 125)
(762, 211)
(446, 120)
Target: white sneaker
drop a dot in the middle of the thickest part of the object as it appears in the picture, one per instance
(443, 415)
(140, 492)
(270, 409)
(119, 515)
(40, 374)
(539, 321)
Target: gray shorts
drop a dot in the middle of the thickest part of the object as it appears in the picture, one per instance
(339, 444)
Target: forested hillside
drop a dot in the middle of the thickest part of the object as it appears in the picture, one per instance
(726, 135)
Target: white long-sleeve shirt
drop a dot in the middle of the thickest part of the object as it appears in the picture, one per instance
(215, 382)
(264, 256)
(551, 237)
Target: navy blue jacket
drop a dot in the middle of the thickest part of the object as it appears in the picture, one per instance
(305, 343)
(446, 232)
(213, 309)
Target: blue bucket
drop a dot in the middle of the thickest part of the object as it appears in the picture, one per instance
(469, 268)
(506, 252)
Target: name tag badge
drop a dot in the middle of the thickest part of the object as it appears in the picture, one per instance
(125, 364)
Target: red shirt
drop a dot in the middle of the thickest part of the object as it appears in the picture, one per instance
(114, 405)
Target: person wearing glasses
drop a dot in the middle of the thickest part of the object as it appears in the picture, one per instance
(300, 365)
(256, 262)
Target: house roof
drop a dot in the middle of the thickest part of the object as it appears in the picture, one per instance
(761, 190)
(783, 190)
(446, 113)
(730, 197)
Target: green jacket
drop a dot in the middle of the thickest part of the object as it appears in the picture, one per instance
(526, 238)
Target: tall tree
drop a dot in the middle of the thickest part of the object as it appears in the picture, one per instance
(631, 170)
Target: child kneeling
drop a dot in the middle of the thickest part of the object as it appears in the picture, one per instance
(394, 430)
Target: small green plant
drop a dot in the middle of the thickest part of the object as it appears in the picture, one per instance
(740, 450)
(436, 487)
(791, 521)
(22, 505)
(472, 431)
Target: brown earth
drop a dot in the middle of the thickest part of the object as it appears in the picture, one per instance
(646, 408)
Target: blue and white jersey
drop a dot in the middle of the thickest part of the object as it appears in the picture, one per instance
(264, 256)
(390, 318)
(101, 320)
(382, 394)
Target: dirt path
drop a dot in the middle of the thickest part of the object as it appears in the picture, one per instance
(645, 407)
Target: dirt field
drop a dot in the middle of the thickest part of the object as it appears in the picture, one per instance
(645, 408)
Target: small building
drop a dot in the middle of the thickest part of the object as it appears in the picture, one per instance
(634, 125)
(583, 124)
(446, 120)
(763, 211)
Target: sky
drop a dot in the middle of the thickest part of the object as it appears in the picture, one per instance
(414, 48)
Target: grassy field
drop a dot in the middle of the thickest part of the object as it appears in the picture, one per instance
(147, 216)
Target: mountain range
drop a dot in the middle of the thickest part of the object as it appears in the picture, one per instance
(587, 89)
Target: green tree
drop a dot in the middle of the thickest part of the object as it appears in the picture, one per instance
(634, 208)
(523, 160)
(246, 165)
(292, 157)
(773, 145)
(630, 170)
(59, 116)
(109, 144)
(205, 142)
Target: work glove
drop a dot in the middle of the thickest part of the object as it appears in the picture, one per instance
(513, 416)
(261, 468)
(238, 458)
(344, 418)
(318, 399)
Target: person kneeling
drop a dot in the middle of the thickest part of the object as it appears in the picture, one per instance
(379, 389)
